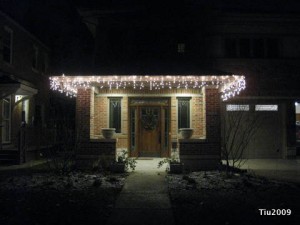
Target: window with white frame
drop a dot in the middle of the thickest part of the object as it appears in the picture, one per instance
(266, 107)
(7, 45)
(231, 107)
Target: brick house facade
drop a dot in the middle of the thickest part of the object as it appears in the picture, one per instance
(166, 107)
(261, 46)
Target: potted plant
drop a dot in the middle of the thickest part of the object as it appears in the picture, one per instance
(123, 163)
(175, 166)
(186, 133)
(108, 133)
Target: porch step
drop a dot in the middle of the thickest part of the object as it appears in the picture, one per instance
(9, 157)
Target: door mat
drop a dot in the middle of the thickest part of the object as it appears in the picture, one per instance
(144, 158)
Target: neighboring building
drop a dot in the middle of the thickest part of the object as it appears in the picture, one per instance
(24, 86)
(265, 48)
(182, 41)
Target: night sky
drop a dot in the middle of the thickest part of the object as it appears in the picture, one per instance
(58, 24)
(226, 5)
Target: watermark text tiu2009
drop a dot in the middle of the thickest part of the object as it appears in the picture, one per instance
(275, 212)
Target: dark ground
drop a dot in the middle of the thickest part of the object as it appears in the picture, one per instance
(215, 199)
(30, 197)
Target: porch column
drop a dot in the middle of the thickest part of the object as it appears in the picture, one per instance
(84, 114)
(199, 154)
(213, 118)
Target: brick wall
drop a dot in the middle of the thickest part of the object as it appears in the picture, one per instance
(213, 119)
(204, 154)
(199, 154)
(100, 114)
(198, 116)
(93, 151)
(97, 147)
(199, 147)
(83, 114)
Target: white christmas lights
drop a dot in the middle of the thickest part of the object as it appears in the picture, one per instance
(229, 85)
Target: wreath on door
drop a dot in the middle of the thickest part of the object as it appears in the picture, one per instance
(149, 120)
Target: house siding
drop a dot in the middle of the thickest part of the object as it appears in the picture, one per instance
(20, 70)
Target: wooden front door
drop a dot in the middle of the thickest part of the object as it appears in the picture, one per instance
(150, 131)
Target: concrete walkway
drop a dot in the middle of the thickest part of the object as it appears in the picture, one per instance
(279, 169)
(144, 198)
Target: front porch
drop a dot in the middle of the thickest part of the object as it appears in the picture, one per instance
(148, 112)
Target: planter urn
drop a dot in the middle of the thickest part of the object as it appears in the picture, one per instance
(186, 133)
(108, 133)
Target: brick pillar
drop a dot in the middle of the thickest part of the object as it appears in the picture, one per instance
(83, 113)
(213, 118)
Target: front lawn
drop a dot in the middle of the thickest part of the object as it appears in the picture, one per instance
(31, 197)
(213, 198)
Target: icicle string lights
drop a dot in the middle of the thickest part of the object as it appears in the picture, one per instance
(230, 85)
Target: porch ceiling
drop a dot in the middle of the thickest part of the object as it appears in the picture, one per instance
(229, 85)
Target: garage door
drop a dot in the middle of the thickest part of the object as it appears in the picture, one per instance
(267, 141)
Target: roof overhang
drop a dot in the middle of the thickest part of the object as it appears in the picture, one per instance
(229, 85)
(17, 89)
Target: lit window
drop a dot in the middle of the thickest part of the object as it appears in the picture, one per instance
(237, 107)
(266, 107)
(7, 45)
(183, 112)
(115, 114)
(181, 47)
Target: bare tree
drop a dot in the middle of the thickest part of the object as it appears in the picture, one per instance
(239, 126)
